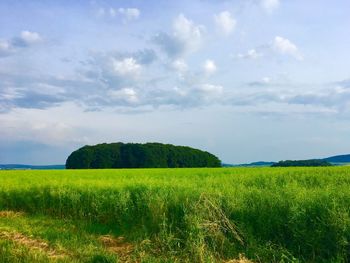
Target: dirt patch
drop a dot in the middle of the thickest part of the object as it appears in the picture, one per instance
(32, 244)
(117, 245)
(10, 214)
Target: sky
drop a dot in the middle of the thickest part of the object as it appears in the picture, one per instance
(246, 80)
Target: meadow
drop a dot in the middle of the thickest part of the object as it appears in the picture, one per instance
(176, 215)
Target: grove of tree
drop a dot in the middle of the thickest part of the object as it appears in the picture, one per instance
(136, 155)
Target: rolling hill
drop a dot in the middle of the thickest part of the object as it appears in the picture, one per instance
(338, 159)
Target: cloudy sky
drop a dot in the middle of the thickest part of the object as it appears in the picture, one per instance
(247, 80)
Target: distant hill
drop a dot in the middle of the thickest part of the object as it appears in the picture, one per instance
(254, 164)
(257, 164)
(335, 160)
(31, 167)
(227, 165)
(338, 159)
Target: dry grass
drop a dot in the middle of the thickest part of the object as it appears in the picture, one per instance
(118, 246)
(10, 214)
(32, 244)
(241, 259)
(216, 221)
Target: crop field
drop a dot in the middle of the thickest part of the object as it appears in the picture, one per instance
(176, 215)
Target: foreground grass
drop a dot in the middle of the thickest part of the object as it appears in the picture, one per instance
(27, 238)
(193, 215)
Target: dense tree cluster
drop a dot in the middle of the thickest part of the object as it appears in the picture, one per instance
(135, 155)
(301, 163)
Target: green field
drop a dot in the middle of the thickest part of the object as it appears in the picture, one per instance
(176, 215)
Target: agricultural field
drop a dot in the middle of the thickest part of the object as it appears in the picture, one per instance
(176, 215)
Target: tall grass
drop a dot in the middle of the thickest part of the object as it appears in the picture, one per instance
(204, 215)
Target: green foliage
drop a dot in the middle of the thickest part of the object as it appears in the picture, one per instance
(200, 215)
(135, 155)
(302, 163)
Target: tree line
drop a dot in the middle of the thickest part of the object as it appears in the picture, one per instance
(136, 155)
(302, 163)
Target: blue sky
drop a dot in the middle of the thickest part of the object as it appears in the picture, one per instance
(246, 80)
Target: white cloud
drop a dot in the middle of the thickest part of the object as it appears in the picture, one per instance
(187, 31)
(270, 5)
(266, 80)
(285, 46)
(251, 54)
(180, 92)
(185, 38)
(111, 89)
(24, 40)
(279, 45)
(209, 67)
(126, 67)
(5, 48)
(37, 127)
(30, 37)
(112, 12)
(129, 13)
(179, 65)
(55, 131)
(128, 95)
(225, 22)
(209, 88)
(4, 45)
(210, 91)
